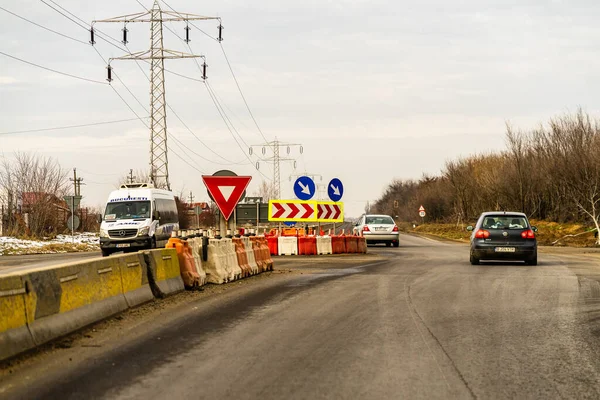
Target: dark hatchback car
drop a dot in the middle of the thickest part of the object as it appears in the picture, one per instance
(503, 236)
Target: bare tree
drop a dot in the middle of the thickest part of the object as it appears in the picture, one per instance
(140, 176)
(266, 190)
(32, 188)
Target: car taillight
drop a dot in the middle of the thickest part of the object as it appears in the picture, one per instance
(528, 234)
(482, 234)
(395, 229)
(366, 229)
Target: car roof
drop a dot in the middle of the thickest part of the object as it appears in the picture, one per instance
(378, 215)
(513, 213)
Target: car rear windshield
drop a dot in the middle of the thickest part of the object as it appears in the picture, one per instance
(504, 222)
(379, 220)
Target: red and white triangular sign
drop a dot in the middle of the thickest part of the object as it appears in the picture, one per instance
(421, 208)
(226, 191)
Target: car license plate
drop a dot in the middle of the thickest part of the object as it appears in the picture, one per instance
(505, 249)
(380, 229)
(120, 245)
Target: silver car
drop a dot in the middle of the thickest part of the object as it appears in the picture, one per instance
(379, 229)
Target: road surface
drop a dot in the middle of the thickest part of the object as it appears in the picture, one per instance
(10, 264)
(417, 322)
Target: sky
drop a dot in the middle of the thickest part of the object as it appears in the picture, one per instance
(373, 90)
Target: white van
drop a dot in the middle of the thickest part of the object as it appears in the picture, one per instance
(137, 216)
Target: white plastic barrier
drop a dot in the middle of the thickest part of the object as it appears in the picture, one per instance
(196, 244)
(250, 254)
(287, 246)
(216, 266)
(230, 257)
(324, 245)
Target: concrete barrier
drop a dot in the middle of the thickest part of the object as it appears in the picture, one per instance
(134, 276)
(324, 245)
(164, 273)
(287, 245)
(69, 297)
(15, 336)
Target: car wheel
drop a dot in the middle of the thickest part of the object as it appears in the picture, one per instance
(396, 244)
(106, 252)
(473, 260)
(388, 244)
(532, 260)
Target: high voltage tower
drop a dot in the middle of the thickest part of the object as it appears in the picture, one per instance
(159, 163)
(276, 160)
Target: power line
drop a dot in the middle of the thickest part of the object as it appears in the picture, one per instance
(71, 126)
(43, 27)
(190, 22)
(53, 70)
(241, 93)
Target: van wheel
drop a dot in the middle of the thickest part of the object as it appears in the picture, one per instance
(106, 252)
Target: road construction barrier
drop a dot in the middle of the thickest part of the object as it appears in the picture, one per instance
(215, 266)
(187, 265)
(15, 336)
(242, 257)
(250, 254)
(235, 272)
(262, 253)
(338, 244)
(362, 245)
(69, 297)
(164, 271)
(197, 251)
(324, 245)
(351, 244)
(287, 246)
(307, 246)
(134, 275)
(273, 242)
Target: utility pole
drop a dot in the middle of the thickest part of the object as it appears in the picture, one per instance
(77, 182)
(275, 146)
(191, 198)
(159, 165)
(130, 178)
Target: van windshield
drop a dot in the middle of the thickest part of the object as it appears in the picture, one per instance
(127, 210)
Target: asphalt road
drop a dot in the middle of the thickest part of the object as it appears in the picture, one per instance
(417, 322)
(10, 264)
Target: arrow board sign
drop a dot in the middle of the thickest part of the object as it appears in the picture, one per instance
(304, 188)
(292, 211)
(227, 191)
(330, 212)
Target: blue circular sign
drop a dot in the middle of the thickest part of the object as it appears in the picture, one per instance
(335, 190)
(304, 188)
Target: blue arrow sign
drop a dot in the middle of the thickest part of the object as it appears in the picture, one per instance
(304, 188)
(335, 190)
(289, 223)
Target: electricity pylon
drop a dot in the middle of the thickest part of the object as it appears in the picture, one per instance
(159, 162)
(276, 160)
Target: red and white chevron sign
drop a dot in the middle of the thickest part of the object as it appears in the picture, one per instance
(330, 212)
(292, 210)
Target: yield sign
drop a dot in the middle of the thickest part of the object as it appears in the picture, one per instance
(227, 191)
(292, 210)
(330, 212)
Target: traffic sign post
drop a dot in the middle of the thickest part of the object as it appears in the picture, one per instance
(422, 214)
(304, 188)
(335, 190)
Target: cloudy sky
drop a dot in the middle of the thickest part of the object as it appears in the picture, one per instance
(373, 90)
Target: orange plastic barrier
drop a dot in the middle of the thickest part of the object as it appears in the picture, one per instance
(273, 244)
(259, 254)
(362, 245)
(338, 244)
(307, 246)
(187, 265)
(263, 250)
(351, 244)
(242, 257)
